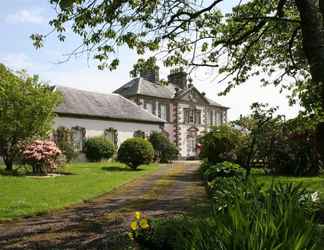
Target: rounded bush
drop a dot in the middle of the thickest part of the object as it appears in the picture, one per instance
(165, 151)
(220, 144)
(135, 151)
(98, 148)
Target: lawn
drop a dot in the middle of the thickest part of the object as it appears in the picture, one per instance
(312, 183)
(27, 195)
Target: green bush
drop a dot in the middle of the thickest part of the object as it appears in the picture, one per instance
(295, 153)
(222, 169)
(135, 151)
(165, 151)
(98, 148)
(242, 216)
(220, 144)
(68, 150)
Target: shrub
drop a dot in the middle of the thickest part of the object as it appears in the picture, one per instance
(98, 148)
(242, 216)
(170, 153)
(165, 151)
(295, 154)
(68, 150)
(222, 169)
(220, 144)
(135, 151)
(42, 156)
(63, 139)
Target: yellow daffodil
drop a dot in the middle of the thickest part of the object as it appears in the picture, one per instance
(133, 225)
(137, 215)
(144, 224)
(130, 235)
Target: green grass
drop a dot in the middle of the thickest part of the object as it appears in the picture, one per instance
(27, 195)
(312, 183)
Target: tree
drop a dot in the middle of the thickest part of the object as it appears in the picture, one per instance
(26, 111)
(283, 39)
(262, 127)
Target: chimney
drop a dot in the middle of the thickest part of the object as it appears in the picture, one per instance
(178, 77)
(151, 75)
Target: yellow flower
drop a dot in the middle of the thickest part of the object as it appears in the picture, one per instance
(144, 224)
(133, 225)
(137, 215)
(130, 235)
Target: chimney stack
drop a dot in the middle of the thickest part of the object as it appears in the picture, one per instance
(151, 75)
(178, 77)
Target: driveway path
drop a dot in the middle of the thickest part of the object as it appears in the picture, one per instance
(102, 222)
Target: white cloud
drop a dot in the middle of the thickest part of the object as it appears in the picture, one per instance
(17, 61)
(26, 16)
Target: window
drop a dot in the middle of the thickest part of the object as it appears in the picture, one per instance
(78, 136)
(192, 116)
(163, 112)
(211, 117)
(218, 118)
(198, 117)
(112, 135)
(149, 107)
(189, 116)
(139, 133)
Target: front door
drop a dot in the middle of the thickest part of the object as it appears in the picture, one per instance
(191, 147)
(192, 142)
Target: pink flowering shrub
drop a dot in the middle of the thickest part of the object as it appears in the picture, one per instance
(42, 156)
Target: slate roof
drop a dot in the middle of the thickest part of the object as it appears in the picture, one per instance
(141, 86)
(97, 105)
(213, 103)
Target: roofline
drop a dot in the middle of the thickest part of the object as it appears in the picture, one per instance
(105, 118)
(173, 100)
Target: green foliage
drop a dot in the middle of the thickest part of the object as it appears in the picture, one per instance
(294, 152)
(98, 148)
(63, 139)
(260, 128)
(26, 111)
(135, 151)
(243, 216)
(282, 147)
(222, 169)
(220, 144)
(165, 151)
(68, 150)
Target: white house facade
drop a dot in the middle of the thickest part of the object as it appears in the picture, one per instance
(88, 114)
(186, 111)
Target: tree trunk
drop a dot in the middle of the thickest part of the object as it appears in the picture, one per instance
(9, 163)
(312, 25)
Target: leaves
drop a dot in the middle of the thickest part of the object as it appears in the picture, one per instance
(26, 109)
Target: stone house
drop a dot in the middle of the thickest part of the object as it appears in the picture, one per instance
(186, 111)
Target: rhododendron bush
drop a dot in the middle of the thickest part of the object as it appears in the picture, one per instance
(42, 156)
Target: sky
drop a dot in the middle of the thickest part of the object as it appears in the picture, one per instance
(21, 18)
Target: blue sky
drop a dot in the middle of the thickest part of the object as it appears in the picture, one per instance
(20, 18)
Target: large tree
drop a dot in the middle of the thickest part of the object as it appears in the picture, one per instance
(282, 40)
(26, 111)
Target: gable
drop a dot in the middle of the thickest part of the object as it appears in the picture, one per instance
(193, 95)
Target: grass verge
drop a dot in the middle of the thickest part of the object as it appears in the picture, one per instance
(22, 196)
